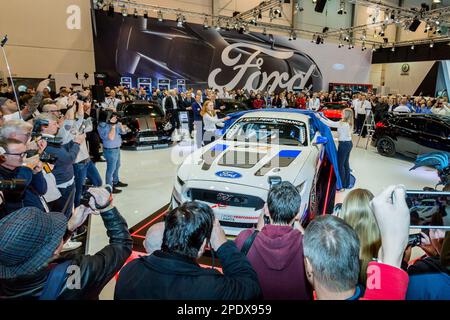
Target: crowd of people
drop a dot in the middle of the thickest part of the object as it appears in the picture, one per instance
(49, 146)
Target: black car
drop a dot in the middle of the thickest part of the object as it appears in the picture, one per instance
(412, 134)
(231, 106)
(148, 124)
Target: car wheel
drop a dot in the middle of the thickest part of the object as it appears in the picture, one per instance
(386, 147)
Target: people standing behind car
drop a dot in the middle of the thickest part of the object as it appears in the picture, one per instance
(284, 102)
(402, 107)
(314, 103)
(65, 155)
(300, 102)
(171, 108)
(30, 261)
(344, 131)
(13, 152)
(110, 132)
(172, 273)
(111, 102)
(196, 109)
(258, 103)
(440, 108)
(392, 103)
(276, 102)
(380, 110)
(363, 109)
(356, 211)
(275, 248)
(210, 122)
(331, 249)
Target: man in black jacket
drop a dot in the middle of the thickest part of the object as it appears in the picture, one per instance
(173, 273)
(31, 241)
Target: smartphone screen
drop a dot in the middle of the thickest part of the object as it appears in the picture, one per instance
(429, 209)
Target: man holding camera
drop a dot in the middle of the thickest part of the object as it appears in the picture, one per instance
(33, 184)
(30, 264)
(110, 133)
(65, 155)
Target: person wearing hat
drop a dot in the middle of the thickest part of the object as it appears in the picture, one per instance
(30, 266)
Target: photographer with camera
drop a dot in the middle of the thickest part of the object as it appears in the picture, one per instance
(30, 262)
(65, 155)
(10, 109)
(110, 133)
(12, 167)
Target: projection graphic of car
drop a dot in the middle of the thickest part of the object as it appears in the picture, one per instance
(232, 174)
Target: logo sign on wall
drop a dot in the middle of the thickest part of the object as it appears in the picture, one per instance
(405, 69)
(128, 47)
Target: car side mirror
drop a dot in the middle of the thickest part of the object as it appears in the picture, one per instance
(320, 140)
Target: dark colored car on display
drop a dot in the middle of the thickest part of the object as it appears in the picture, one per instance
(412, 134)
(333, 110)
(148, 124)
(231, 106)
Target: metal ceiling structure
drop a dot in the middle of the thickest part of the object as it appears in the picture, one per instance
(252, 20)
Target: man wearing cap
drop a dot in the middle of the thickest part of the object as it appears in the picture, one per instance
(30, 266)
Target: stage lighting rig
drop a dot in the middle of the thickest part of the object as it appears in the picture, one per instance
(160, 16)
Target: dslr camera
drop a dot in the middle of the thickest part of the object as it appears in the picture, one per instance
(44, 157)
(13, 184)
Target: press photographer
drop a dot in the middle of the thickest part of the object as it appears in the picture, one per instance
(65, 155)
(13, 158)
(30, 265)
(110, 130)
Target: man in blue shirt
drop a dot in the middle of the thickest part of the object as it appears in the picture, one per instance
(198, 120)
(110, 133)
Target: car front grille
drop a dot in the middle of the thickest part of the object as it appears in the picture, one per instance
(227, 198)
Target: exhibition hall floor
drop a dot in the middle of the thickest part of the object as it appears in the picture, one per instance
(151, 174)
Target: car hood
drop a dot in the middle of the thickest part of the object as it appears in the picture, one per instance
(242, 163)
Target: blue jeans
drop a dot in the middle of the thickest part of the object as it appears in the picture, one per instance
(112, 157)
(344, 162)
(83, 170)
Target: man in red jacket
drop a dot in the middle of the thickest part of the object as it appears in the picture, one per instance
(276, 253)
(258, 103)
(331, 249)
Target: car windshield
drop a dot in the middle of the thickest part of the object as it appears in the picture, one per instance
(267, 130)
(143, 110)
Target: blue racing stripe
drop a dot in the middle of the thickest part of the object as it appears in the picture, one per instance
(289, 153)
(219, 147)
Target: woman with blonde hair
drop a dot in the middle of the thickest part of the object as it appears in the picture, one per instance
(210, 121)
(356, 211)
(344, 131)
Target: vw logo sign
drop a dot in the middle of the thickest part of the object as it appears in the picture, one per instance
(228, 174)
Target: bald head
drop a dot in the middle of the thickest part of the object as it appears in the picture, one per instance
(154, 237)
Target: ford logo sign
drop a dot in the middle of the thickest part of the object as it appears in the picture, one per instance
(228, 174)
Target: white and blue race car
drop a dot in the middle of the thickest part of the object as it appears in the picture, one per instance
(234, 173)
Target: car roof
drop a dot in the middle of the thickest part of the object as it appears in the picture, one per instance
(278, 115)
(445, 119)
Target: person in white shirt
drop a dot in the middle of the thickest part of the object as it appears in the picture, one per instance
(362, 109)
(210, 122)
(402, 107)
(224, 94)
(440, 108)
(111, 102)
(314, 103)
(344, 131)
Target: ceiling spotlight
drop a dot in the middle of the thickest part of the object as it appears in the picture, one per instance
(260, 14)
(294, 36)
(313, 38)
(383, 29)
(205, 24)
(271, 15)
(374, 48)
(393, 48)
(264, 31)
(145, 14)
(218, 26)
(277, 12)
(340, 45)
(363, 48)
(290, 37)
(439, 29)
(347, 37)
(431, 44)
(135, 13)
(412, 46)
(160, 16)
(124, 12)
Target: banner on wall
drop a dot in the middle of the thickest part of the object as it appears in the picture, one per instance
(138, 47)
